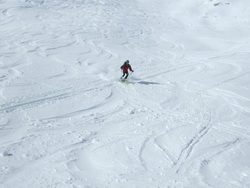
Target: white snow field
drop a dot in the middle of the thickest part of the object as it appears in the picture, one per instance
(67, 122)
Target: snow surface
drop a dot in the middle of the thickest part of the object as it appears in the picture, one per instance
(66, 121)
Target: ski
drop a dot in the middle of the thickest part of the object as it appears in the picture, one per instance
(126, 82)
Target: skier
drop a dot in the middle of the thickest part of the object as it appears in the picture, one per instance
(125, 67)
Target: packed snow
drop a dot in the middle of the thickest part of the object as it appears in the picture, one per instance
(66, 121)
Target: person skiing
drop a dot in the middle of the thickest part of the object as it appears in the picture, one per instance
(125, 67)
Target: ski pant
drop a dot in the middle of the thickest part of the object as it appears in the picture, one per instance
(125, 74)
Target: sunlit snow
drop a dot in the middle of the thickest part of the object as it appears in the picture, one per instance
(66, 121)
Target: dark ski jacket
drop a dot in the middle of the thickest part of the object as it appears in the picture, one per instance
(125, 67)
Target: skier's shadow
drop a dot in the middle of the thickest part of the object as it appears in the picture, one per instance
(147, 83)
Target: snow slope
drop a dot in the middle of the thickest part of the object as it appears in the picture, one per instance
(66, 121)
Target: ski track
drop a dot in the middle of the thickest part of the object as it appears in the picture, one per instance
(65, 117)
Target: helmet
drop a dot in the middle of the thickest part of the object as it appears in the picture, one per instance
(127, 61)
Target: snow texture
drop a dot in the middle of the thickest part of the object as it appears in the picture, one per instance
(67, 122)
